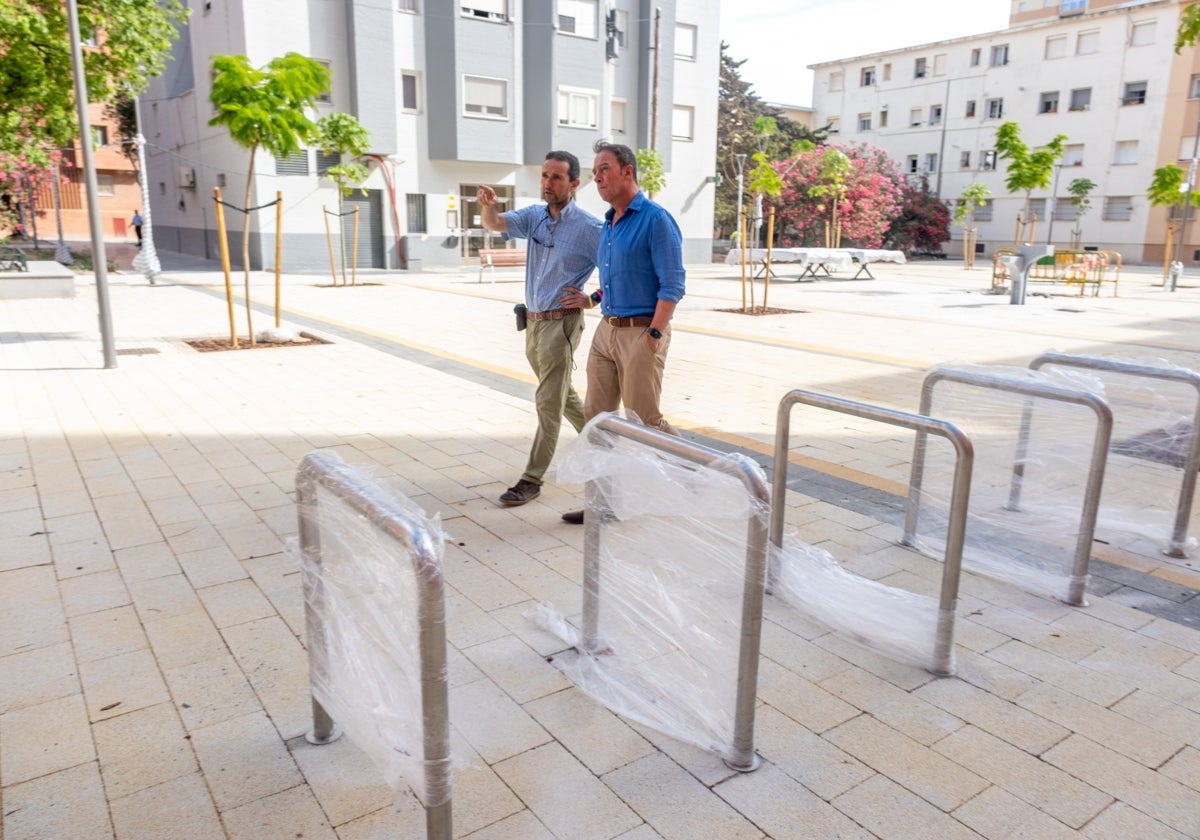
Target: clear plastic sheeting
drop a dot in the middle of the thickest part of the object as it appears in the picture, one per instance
(898, 624)
(673, 544)
(371, 568)
(1026, 522)
(1154, 405)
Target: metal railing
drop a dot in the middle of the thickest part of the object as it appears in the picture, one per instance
(943, 652)
(1187, 491)
(326, 470)
(742, 756)
(1031, 390)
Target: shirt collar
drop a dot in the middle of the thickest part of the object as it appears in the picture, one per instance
(635, 205)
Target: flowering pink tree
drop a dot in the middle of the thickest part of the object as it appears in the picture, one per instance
(869, 194)
(22, 174)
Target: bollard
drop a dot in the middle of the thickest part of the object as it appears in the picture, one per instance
(1173, 275)
(1026, 258)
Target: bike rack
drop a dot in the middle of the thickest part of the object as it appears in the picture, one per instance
(1187, 491)
(943, 651)
(743, 759)
(327, 470)
(1091, 502)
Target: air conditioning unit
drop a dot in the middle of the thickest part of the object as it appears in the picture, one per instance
(185, 176)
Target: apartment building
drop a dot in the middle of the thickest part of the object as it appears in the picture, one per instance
(1103, 73)
(454, 95)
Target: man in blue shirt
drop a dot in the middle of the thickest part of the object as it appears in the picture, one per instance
(641, 280)
(563, 239)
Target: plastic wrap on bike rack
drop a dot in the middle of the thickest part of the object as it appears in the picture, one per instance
(1026, 515)
(1154, 405)
(672, 570)
(367, 675)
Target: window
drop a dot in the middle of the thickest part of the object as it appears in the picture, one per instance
(995, 108)
(685, 41)
(326, 96)
(1142, 34)
(1186, 146)
(970, 112)
(983, 212)
(496, 10)
(105, 184)
(1118, 208)
(1125, 152)
(683, 119)
(976, 56)
(935, 114)
(939, 65)
(617, 117)
(483, 97)
(883, 117)
(867, 78)
(622, 27)
(920, 69)
(987, 160)
(1048, 104)
(887, 72)
(578, 108)
(835, 125)
(408, 91)
(964, 160)
(99, 135)
(1056, 47)
(325, 161)
(931, 162)
(864, 122)
(415, 213)
(1081, 99)
(578, 17)
(1088, 42)
(1072, 7)
(915, 116)
(1194, 88)
(1073, 154)
(1037, 207)
(835, 81)
(912, 164)
(1064, 210)
(296, 164)
(406, 6)
(1135, 93)
(999, 55)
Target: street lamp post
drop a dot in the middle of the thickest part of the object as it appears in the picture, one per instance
(1052, 205)
(741, 163)
(1177, 266)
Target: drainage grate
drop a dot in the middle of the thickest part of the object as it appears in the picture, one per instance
(138, 351)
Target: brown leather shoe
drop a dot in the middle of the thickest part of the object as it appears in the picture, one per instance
(575, 517)
(520, 493)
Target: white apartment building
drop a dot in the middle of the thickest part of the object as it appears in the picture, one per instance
(455, 94)
(1103, 73)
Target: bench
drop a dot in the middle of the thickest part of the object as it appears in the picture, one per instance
(494, 258)
(13, 259)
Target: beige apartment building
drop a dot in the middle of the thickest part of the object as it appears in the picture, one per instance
(1102, 72)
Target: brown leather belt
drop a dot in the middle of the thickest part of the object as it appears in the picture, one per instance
(635, 321)
(551, 314)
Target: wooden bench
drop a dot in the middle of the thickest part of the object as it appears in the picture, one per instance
(494, 258)
(13, 259)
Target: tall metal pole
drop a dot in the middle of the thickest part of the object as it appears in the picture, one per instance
(654, 83)
(99, 256)
(1052, 205)
(146, 260)
(741, 163)
(1177, 266)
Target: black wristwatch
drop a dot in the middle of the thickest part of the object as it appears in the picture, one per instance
(655, 334)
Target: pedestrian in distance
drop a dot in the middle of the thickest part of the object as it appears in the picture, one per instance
(642, 278)
(561, 254)
(137, 226)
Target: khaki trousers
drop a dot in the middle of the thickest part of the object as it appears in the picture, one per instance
(550, 349)
(622, 369)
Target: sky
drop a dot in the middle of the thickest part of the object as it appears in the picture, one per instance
(780, 38)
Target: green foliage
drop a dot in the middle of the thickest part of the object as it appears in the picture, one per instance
(650, 174)
(763, 178)
(1189, 28)
(36, 78)
(1081, 190)
(923, 222)
(1168, 187)
(267, 106)
(1028, 170)
(123, 112)
(343, 135)
(974, 194)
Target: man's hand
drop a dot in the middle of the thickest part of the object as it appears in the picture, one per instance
(486, 196)
(573, 298)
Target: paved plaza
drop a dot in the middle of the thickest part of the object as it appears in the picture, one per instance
(153, 674)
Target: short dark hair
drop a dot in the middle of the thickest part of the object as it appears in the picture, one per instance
(569, 159)
(623, 154)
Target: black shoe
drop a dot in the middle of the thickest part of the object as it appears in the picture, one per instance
(575, 517)
(524, 491)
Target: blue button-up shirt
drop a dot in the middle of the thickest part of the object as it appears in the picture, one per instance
(561, 252)
(640, 259)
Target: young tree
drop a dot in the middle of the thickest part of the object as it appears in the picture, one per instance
(1169, 189)
(1189, 28)
(923, 222)
(265, 107)
(1081, 191)
(974, 194)
(831, 186)
(1028, 169)
(343, 135)
(650, 175)
(36, 80)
